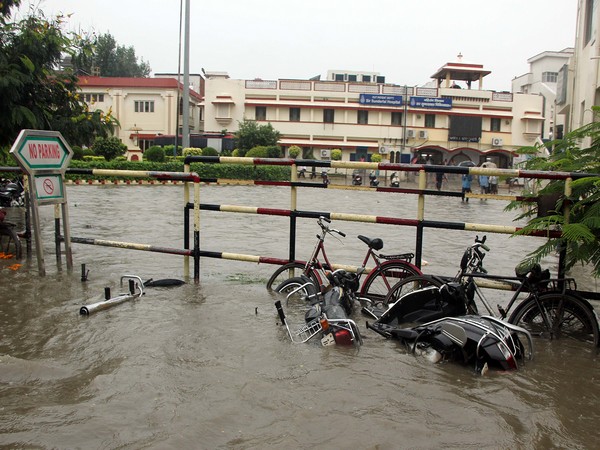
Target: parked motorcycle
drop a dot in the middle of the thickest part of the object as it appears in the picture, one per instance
(373, 181)
(394, 180)
(325, 177)
(12, 193)
(356, 178)
(328, 313)
(482, 341)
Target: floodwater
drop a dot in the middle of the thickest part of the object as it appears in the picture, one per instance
(207, 366)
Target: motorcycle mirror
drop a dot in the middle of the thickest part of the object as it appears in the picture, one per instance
(455, 333)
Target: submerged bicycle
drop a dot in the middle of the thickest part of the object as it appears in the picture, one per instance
(388, 270)
(551, 308)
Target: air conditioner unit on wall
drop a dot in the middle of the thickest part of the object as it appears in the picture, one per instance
(497, 142)
(325, 153)
(383, 150)
(422, 134)
(410, 134)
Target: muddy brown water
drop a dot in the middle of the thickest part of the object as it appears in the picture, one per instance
(207, 366)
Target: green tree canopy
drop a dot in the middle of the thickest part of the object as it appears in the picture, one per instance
(250, 134)
(578, 151)
(33, 92)
(103, 56)
(110, 147)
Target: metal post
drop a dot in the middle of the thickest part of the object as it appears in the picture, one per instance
(197, 231)
(420, 218)
(57, 234)
(293, 206)
(186, 79)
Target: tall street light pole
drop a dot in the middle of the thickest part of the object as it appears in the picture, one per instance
(185, 141)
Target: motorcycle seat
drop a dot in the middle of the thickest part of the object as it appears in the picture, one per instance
(375, 244)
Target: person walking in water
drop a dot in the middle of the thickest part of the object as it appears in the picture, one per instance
(484, 184)
(466, 186)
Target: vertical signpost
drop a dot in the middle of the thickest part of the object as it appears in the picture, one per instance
(44, 156)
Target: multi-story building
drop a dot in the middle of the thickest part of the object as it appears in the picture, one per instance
(542, 79)
(145, 107)
(579, 81)
(361, 114)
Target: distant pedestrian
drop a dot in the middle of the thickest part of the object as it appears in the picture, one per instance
(439, 179)
(493, 184)
(484, 184)
(466, 185)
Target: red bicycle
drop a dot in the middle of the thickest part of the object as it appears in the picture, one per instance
(388, 269)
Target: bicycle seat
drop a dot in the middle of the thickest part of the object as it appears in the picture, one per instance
(375, 244)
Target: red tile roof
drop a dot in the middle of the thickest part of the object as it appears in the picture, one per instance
(127, 82)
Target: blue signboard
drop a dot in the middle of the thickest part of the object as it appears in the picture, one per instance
(378, 99)
(431, 102)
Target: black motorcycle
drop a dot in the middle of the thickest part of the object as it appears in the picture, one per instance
(482, 341)
(328, 314)
(394, 180)
(373, 181)
(356, 178)
(12, 193)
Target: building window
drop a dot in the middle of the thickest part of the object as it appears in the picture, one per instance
(380, 79)
(294, 114)
(223, 111)
(144, 106)
(261, 113)
(339, 77)
(397, 118)
(363, 117)
(352, 78)
(429, 120)
(328, 115)
(366, 78)
(495, 124)
(93, 98)
(549, 77)
(145, 144)
(590, 24)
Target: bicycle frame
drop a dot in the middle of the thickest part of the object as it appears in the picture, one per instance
(519, 285)
(316, 267)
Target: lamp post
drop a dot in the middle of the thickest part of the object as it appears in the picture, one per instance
(137, 134)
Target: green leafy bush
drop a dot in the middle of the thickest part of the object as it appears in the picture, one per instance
(294, 151)
(192, 151)
(209, 151)
(155, 154)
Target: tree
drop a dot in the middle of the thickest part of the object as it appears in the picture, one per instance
(250, 134)
(110, 147)
(294, 151)
(103, 56)
(33, 92)
(336, 154)
(155, 153)
(580, 226)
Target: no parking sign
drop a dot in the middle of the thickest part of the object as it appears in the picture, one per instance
(44, 156)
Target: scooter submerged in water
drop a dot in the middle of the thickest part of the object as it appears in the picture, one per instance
(482, 341)
(328, 313)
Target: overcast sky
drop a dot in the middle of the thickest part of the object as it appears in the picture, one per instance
(404, 40)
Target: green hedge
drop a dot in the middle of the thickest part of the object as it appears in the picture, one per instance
(229, 171)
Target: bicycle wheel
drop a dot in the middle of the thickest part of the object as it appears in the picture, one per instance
(10, 244)
(381, 279)
(569, 316)
(409, 284)
(301, 290)
(287, 271)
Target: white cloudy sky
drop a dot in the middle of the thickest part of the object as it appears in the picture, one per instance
(404, 40)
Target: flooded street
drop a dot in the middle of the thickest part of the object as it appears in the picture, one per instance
(207, 366)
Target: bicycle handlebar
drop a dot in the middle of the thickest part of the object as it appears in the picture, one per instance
(326, 229)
